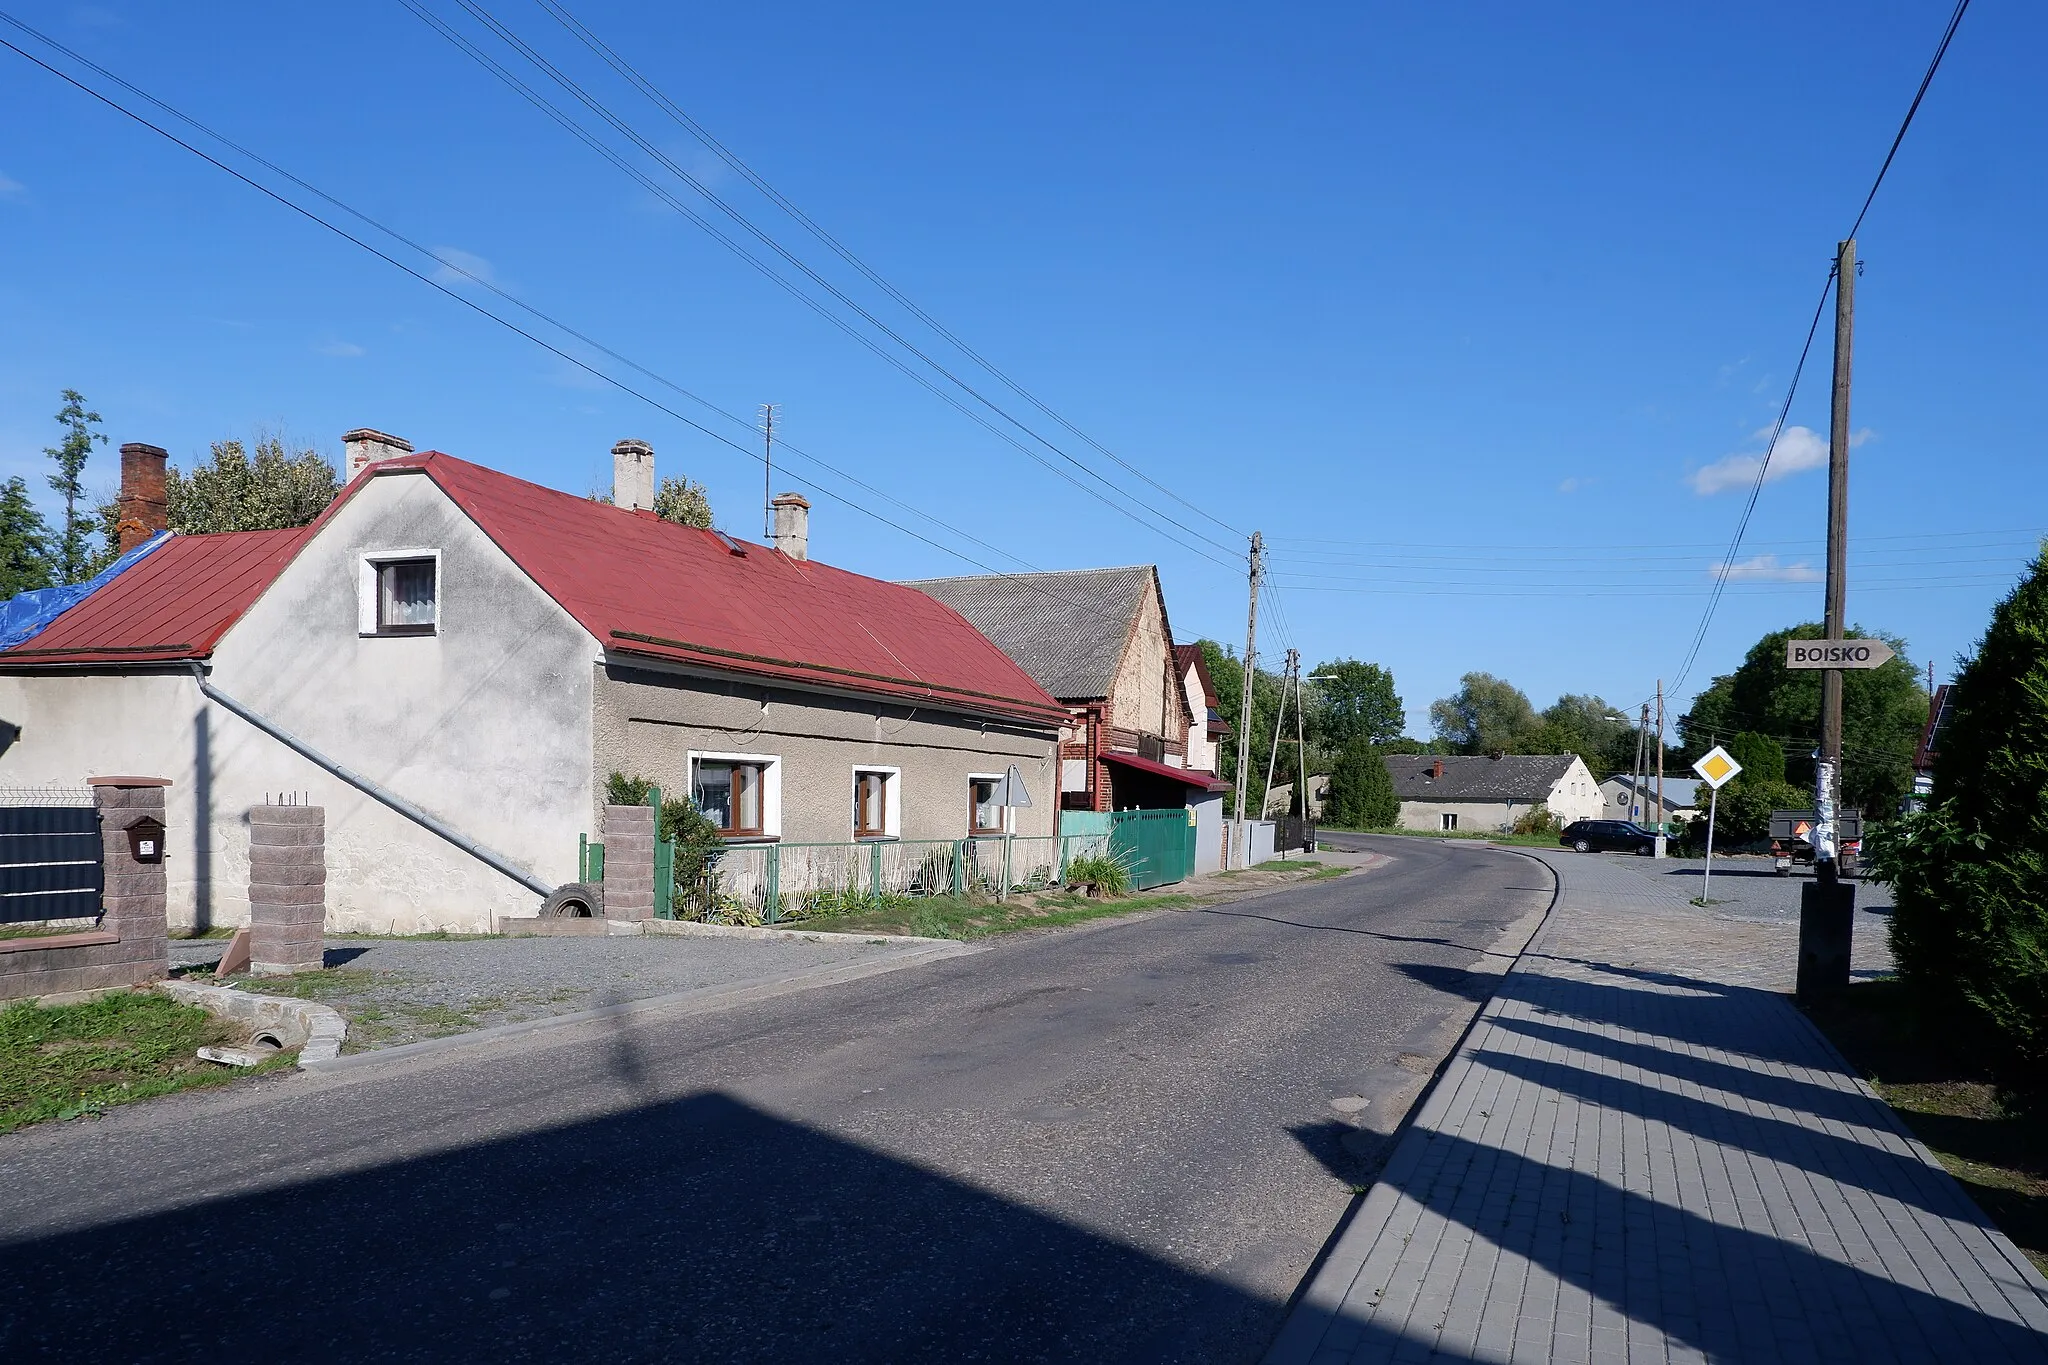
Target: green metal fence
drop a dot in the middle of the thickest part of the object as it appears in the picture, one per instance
(1158, 846)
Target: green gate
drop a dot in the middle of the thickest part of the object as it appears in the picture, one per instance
(1158, 846)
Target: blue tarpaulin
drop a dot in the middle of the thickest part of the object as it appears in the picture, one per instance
(24, 615)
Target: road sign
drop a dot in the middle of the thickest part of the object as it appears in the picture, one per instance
(1716, 767)
(1836, 653)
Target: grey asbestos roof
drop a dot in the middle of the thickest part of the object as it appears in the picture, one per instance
(1067, 630)
(1680, 793)
(1516, 777)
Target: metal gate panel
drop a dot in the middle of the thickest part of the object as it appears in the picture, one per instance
(50, 863)
(1158, 846)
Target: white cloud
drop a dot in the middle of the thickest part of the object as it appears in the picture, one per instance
(1798, 449)
(461, 267)
(10, 188)
(1573, 485)
(346, 350)
(1767, 569)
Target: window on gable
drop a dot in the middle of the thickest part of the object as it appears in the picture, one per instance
(401, 593)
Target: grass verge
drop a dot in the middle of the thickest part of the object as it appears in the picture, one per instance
(71, 1060)
(953, 917)
(1993, 1142)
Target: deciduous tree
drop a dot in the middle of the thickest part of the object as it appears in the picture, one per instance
(72, 552)
(1485, 714)
(684, 503)
(231, 491)
(1351, 700)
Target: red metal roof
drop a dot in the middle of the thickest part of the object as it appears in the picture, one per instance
(645, 586)
(639, 584)
(1192, 777)
(173, 603)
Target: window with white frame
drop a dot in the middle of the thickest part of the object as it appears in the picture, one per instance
(399, 592)
(1450, 820)
(740, 793)
(985, 813)
(877, 803)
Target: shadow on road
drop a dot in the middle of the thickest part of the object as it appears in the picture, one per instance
(695, 1229)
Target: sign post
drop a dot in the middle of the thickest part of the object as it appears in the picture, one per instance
(1715, 768)
(1816, 654)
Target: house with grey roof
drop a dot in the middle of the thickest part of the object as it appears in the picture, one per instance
(1099, 640)
(1488, 793)
(1630, 798)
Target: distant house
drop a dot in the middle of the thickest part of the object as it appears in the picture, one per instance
(488, 651)
(1625, 802)
(1206, 727)
(1461, 794)
(1929, 748)
(1100, 641)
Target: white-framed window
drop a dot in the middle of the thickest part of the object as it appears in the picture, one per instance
(877, 803)
(741, 793)
(984, 816)
(1450, 821)
(398, 592)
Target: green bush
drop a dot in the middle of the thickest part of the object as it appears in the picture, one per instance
(1535, 820)
(1111, 877)
(1970, 873)
(1362, 790)
(1743, 813)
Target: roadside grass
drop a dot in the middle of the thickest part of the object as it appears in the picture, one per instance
(66, 1061)
(1993, 1141)
(966, 919)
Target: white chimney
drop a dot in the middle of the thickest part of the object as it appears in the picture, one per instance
(633, 476)
(364, 446)
(793, 525)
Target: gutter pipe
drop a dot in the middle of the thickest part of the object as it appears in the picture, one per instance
(496, 861)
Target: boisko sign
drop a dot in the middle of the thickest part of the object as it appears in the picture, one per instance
(1836, 653)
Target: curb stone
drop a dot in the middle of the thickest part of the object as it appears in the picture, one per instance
(319, 1028)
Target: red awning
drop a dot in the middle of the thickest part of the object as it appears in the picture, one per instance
(1201, 781)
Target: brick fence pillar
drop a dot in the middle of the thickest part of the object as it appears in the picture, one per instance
(629, 862)
(134, 903)
(287, 888)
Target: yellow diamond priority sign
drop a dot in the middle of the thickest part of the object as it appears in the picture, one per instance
(1716, 767)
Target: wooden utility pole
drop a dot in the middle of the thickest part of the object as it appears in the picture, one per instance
(1828, 776)
(1244, 701)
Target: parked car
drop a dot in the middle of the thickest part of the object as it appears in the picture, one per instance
(1608, 836)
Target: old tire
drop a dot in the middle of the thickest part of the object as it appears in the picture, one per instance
(576, 900)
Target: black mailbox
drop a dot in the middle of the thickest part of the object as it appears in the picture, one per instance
(146, 840)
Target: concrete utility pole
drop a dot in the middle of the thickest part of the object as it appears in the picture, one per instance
(1288, 674)
(1828, 774)
(1244, 701)
(1301, 747)
(1637, 806)
(1663, 811)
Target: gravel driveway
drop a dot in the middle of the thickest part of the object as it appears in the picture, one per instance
(395, 991)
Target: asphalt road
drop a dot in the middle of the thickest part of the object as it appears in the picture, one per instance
(1111, 1143)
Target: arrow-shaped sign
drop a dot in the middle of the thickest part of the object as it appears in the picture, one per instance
(1836, 653)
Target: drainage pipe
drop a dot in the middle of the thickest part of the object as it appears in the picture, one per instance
(496, 861)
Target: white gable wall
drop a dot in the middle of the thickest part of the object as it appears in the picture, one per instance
(485, 725)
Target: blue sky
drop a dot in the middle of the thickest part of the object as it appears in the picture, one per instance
(1475, 311)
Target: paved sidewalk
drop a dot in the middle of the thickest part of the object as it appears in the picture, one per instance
(1640, 1155)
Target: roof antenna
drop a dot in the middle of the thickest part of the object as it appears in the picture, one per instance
(768, 472)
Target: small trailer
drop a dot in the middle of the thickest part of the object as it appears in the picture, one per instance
(1792, 839)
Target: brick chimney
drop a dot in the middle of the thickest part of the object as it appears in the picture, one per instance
(793, 525)
(633, 476)
(365, 446)
(142, 507)
(1436, 770)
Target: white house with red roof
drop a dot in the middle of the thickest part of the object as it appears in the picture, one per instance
(488, 651)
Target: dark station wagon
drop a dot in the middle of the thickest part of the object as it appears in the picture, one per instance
(1608, 836)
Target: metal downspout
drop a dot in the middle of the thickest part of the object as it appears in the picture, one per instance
(496, 861)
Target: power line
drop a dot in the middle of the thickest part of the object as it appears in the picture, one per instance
(478, 308)
(1763, 466)
(1120, 503)
(703, 135)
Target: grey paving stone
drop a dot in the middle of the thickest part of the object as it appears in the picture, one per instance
(1643, 1153)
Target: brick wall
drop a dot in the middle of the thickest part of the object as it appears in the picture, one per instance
(130, 947)
(287, 889)
(629, 862)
